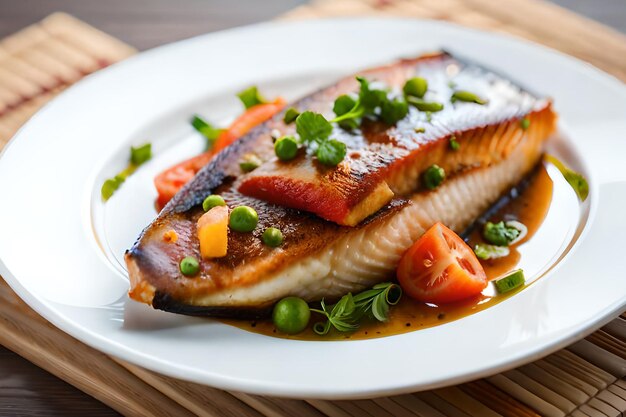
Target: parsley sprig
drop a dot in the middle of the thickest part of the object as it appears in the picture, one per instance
(346, 315)
(314, 128)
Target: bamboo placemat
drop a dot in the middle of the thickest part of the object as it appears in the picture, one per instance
(586, 379)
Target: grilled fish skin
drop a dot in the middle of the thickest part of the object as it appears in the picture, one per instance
(321, 258)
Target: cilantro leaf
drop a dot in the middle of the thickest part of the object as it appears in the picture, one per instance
(370, 99)
(251, 97)
(313, 127)
(331, 152)
(391, 111)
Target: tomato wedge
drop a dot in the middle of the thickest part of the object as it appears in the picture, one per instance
(170, 181)
(441, 268)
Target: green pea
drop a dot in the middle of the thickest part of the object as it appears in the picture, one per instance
(416, 87)
(433, 176)
(286, 148)
(272, 237)
(243, 219)
(189, 266)
(212, 201)
(291, 315)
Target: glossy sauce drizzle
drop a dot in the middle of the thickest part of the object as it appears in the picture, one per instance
(530, 208)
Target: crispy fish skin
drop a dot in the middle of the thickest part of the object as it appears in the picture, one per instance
(397, 155)
(320, 258)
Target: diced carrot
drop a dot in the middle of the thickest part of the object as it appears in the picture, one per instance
(213, 232)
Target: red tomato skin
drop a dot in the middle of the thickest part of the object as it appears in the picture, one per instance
(440, 268)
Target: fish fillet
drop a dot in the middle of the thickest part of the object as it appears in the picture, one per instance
(320, 258)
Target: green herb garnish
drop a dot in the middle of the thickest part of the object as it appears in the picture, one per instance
(343, 105)
(290, 115)
(392, 111)
(314, 128)
(207, 130)
(251, 97)
(500, 234)
(575, 179)
(250, 162)
(486, 252)
(524, 123)
(138, 156)
(346, 315)
(420, 129)
(331, 152)
(466, 96)
(510, 282)
(427, 106)
(454, 144)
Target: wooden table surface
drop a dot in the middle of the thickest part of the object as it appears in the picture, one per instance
(26, 390)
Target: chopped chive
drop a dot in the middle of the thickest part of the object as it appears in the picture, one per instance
(467, 97)
(421, 105)
(140, 154)
(206, 129)
(510, 281)
(250, 162)
(420, 129)
(486, 252)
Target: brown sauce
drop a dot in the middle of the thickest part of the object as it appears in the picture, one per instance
(530, 208)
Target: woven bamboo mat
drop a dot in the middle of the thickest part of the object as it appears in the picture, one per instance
(586, 379)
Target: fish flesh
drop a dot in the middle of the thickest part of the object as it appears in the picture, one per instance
(320, 258)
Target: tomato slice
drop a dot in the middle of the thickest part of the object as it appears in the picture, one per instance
(170, 181)
(441, 268)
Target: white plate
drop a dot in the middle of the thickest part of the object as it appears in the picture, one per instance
(61, 247)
